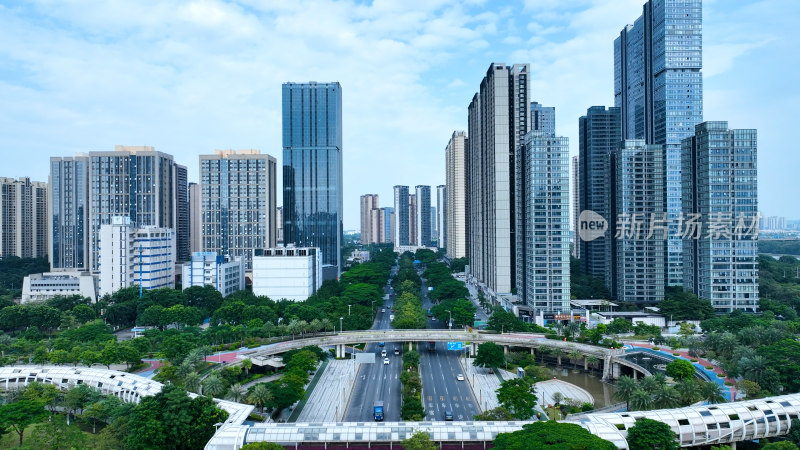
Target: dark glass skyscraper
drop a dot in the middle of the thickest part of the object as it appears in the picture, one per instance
(658, 86)
(312, 168)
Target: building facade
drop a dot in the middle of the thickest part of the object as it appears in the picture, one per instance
(238, 195)
(40, 287)
(376, 226)
(400, 232)
(413, 224)
(388, 224)
(575, 188)
(543, 227)
(68, 217)
(640, 226)
(658, 86)
(292, 273)
(455, 182)
(720, 190)
(599, 135)
(422, 211)
(498, 118)
(211, 269)
(312, 168)
(135, 256)
(543, 118)
(441, 216)
(279, 220)
(181, 213)
(368, 203)
(195, 219)
(23, 218)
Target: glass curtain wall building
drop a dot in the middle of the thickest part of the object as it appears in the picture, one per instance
(422, 209)
(400, 232)
(312, 168)
(658, 86)
(68, 192)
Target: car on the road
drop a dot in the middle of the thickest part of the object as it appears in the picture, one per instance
(460, 377)
(448, 415)
(383, 310)
(385, 361)
(383, 353)
(392, 309)
(397, 351)
(433, 319)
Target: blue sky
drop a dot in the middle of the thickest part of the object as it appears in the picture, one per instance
(189, 77)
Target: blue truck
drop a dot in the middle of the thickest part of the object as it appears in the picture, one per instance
(377, 411)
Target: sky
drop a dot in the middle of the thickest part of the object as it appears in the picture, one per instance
(189, 77)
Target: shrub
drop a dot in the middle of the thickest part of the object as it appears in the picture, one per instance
(728, 383)
(721, 375)
(676, 354)
(710, 367)
(656, 348)
(693, 360)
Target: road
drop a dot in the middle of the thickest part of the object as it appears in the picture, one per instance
(378, 381)
(441, 391)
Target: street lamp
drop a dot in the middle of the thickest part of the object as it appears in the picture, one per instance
(450, 322)
(340, 324)
(216, 426)
(348, 309)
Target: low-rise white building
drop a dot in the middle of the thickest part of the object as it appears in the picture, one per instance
(293, 273)
(135, 256)
(209, 268)
(39, 287)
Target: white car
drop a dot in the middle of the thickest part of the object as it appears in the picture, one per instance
(385, 361)
(433, 318)
(460, 377)
(383, 310)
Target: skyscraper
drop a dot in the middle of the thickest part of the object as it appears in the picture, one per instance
(599, 136)
(68, 219)
(132, 181)
(400, 233)
(658, 86)
(375, 231)
(498, 119)
(181, 214)
(195, 219)
(413, 223)
(639, 228)
(23, 218)
(441, 216)
(720, 191)
(388, 224)
(238, 193)
(279, 224)
(543, 118)
(543, 228)
(312, 169)
(434, 230)
(576, 205)
(456, 179)
(368, 203)
(422, 211)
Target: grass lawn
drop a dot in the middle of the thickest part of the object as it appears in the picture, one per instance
(11, 439)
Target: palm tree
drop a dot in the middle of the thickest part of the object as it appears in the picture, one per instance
(753, 368)
(575, 355)
(727, 342)
(213, 386)
(185, 369)
(260, 396)
(625, 388)
(665, 397)
(660, 379)
(269, 327)
(326, 324)
(573, 328)
(315, 326)
(593, 360)
(641, 400)
(236, 392)
(688, 392)
(649, 385)
(302, 327)
(712, 392)
(192, 382)
(247, 364)
(293, 327)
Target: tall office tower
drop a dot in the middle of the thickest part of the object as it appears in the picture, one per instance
(441, 216)
(456, 180)
(376, 225)
(181, 218)
(312, 169)
(68, 218)
(543, 118)
(388, 224)
(639, 228)
(400, 232)
(598, 136)
(23, 218)
(576, 205)
(720, 191)
(368, 203)
(423, 213)
(127, 250)
(237, 190)
(543, 227)
(279, 224)
(195, 219)
(658, 86)
(413, 223)
(434, 230)
(498, 121)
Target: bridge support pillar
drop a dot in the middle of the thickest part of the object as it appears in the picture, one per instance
(505, 350)
(585, 363)
(635, 374)
(616, 370)
(473, 349)
(340, 351)
(532, 353)
(410, 347)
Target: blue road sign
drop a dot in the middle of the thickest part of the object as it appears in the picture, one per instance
(455, 346)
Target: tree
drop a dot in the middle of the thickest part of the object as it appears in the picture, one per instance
(502, 320)
(260, 396)
(794, 432)
(779, 445)
(213, 386)
(517, 395)
(652, 434)
(681, 305)
(412, 409)
(236, 392)
(551, 434)
(83, 313)
(640, 400)
(411, 358)
(496, 414)
(263, 446)
(57, 434)
(750, 389)
(680, 369)
(626, 386)
(712, 392)
(78, 397)
(688, 392)
(665, 397)
(418, 441)
(20, 414)
(490, 355)
(110, 354)
(247, 364)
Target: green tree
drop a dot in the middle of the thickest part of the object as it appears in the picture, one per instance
(412, 409)
(213, 386)
(496, 414)
(712, 392)
(779, 445)
(652, 434)
(681, 305)
(551, 434)
(793, 435)
(626, 386)
(57, 434)
(263, 446)
(490, 355)
(20, 414)
(83, 313)
(640, 400)
(260, 396)
(680, 369)
(517, 395)
(688, 392)
(110, 353)
(411, 358)
(236, 392)
(418, 441)
(505, 321)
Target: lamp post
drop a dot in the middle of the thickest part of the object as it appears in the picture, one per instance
(450, 322)
(340, 324)
(348, 309)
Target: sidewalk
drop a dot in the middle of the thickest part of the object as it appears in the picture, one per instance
(328, 401)
(300, 405)
(484, 385)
